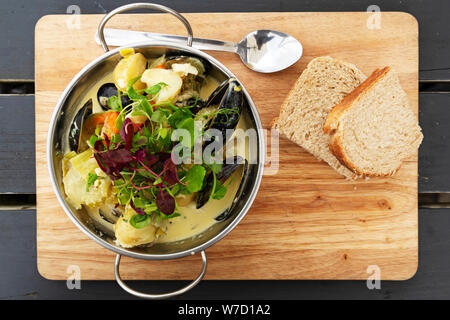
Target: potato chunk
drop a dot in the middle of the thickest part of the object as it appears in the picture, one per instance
(76, 171)
(128, 236)
(75, 187)
(128, 68)
(172, 80)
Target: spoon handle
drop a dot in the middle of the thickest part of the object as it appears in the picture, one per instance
(117, 37)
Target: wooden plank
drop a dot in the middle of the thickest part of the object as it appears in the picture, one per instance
(17, 169)
(17, 38)
(434, 154)
(20, 278)
(329, 228)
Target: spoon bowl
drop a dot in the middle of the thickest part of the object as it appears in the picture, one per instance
(269, 50)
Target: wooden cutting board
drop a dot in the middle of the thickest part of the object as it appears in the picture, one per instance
(307, 222)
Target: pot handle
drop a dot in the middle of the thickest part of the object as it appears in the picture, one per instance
(100, 35)
(161, 295)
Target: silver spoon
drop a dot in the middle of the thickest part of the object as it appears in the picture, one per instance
(261, 50)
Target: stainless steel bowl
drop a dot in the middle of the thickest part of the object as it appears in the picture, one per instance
(63, 115)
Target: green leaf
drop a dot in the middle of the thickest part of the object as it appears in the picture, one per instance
(119, 121)
(158, 181)
(92, 177)
(115, 103)
(175, 189)
(173, 215)
(123, 195)
(150, 208)
(133, 81)
(98, 130)
(177, 118)
(188, 124)
(215, 167)
(93, 140)
(133, 95)
(138, 203)
(146, 132)
(163, 133)
(158, 116)
(220, 191)
(140, 221)
(147, 107)
(213, 164)
(194, 178)
(184, 190)
(155, 88)
(116, 138)
(138, 113)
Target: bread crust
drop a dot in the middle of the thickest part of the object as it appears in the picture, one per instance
(338, 151)
(333, 118)
(332, 123)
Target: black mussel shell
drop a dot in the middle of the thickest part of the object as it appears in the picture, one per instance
(230, 99)
(203, 66)
(76, 127)
(240, 192)
(228, 168)
(108, 90)
(216, 96)
(194, 104)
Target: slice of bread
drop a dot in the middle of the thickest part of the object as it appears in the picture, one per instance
(373, 129)
(321, 86)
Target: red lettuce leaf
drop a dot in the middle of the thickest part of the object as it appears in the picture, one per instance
(171, 175)
(113, 161)
(127, 133)
(165, 202)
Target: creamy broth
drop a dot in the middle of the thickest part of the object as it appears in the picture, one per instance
(191, 222)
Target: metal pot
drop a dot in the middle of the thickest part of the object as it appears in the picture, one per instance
(57, 138)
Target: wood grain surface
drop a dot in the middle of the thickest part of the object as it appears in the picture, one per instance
(307, 222)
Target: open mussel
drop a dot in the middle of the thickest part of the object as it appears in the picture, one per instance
(193, 103)
(229, 99)
(192, 70)
(242, 190)
(108, 90)
(76, 141)
(228, 168)
(201, 65)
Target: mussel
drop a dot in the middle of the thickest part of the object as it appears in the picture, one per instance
(76, 141)
(193, 72)
(229, 99)
(193, 103)
(228, 168)
(201, 65)
(243, 188)
(108, 90)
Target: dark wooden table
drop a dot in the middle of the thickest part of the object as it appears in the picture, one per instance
(19, 278)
